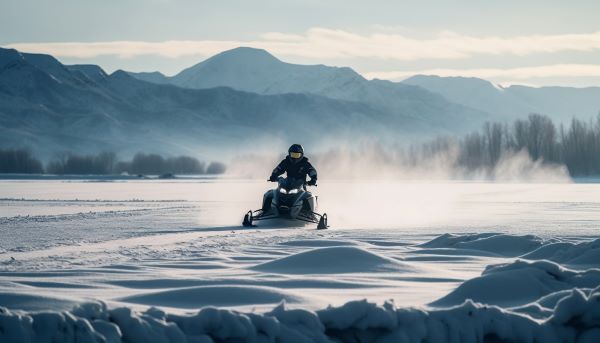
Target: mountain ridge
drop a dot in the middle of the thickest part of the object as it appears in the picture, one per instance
(466, 99)
(257, 71)
(516, 101)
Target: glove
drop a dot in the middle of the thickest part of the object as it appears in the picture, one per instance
(273, 178)
(312, 182)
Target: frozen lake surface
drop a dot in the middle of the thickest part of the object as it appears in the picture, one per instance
(178, 245)
(42, 214)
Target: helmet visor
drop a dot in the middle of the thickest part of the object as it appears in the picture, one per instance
(295, 154)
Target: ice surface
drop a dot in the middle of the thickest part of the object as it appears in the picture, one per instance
(146, 260)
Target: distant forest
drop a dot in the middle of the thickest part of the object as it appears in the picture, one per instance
(576, 145)
(105, 163)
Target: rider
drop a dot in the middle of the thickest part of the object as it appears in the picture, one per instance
(296, 165)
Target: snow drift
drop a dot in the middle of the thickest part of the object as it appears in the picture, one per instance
(225, 295)
(580, 254)
(339, 259)
(574, 318)
(520, 282)
(495, 243)
(530, 247)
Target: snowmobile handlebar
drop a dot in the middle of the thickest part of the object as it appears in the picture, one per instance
(306, 183)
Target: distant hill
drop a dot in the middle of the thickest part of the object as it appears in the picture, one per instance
(560, 103)
(154, 77)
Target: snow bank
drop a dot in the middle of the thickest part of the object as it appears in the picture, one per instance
(519, 282)
(575, 318)
(499, 244)
(341, 259)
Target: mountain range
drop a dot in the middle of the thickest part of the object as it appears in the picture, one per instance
(257, 71)
(246, 97)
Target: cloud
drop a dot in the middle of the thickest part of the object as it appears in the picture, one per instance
(126, 49)
(324, 43)
(524, 73)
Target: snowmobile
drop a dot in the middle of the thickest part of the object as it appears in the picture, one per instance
(290, 200)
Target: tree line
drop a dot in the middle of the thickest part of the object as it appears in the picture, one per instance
(575, 145)
(104, 163)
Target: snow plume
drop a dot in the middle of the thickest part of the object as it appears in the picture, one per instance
(439, 159)
(365, 160)
(573, 318)
(371, 160)
(520, 167)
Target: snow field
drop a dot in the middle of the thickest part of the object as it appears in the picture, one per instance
(517, 301)
(168, 262)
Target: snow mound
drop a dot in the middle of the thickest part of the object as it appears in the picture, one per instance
(456, 252)
(195, 297)
(576, 317)
(317, 243)
(586, 253)
(500, 244)
(333, 260)
(518, 283)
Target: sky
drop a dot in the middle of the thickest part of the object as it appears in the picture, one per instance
(533, 42)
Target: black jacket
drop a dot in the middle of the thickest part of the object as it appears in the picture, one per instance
(295, 170)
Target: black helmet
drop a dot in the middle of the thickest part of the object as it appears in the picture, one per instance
(296, 151)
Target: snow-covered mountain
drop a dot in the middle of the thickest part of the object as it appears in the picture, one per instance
(444, 100)
(257, 71)
(560, 103)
